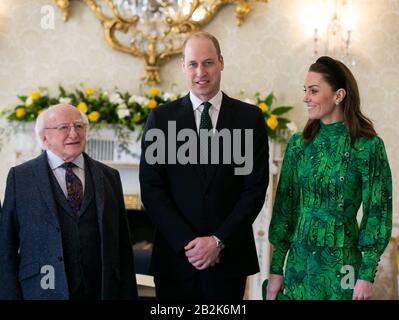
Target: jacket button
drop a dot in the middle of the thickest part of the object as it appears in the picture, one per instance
(342, 178)
(347, 154)
(60, 258)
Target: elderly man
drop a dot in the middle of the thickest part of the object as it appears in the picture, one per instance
(63, 229)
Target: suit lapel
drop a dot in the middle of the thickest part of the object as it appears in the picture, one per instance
(225, 120)
(59, 196)
(226, 114)
(185, 116)
(89, 192)
(186, 120)
(98, 184)
(41, 172)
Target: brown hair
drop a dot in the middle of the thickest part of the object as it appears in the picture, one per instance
(337, 75)
(203, 34)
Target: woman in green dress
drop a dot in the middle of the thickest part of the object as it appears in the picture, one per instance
(329, 170)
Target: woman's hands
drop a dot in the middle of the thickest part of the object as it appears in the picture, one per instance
(274, 285)
(363, 290)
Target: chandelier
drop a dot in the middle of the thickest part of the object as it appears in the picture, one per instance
(333, 24)
(154, 30)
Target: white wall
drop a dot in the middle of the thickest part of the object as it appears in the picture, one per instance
(271, 51)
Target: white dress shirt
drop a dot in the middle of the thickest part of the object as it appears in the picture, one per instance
(56, 162)
(216, 102)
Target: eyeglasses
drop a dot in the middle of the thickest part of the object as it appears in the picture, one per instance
(65, 128)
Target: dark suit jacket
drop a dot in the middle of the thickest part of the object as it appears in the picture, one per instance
(184, 205)
(30, 235)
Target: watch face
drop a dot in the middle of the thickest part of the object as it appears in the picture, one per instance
(219, 243)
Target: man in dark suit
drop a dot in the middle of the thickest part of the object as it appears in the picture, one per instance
(204, 246)
(63, 229)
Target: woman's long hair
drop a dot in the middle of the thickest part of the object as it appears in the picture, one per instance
(358, 124)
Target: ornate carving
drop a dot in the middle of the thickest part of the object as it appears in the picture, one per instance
(157, 28)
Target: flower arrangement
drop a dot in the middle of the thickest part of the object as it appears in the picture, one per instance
(101, 107)
(275, 123)
(127, 111)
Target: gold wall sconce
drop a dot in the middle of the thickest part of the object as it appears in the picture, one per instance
(154, 30)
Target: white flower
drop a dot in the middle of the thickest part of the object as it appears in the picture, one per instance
(292, 127)
(28, 101)
(43, 91)
(122, 111)
(115, 98)
(138, 99)
(167, 96)
(65, 100)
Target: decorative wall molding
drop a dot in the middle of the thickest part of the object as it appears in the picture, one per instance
(155, 34)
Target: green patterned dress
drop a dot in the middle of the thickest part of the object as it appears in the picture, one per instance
(320, 190)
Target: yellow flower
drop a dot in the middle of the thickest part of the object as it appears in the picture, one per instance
(272, 122)
(153, 92)
(82, 107)
(20, 112)
(89, 91)
(137, 117)
(35, 95)
(152, 103)
(264, 107)
(94, 116)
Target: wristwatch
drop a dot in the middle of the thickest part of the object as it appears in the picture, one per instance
(219, 242)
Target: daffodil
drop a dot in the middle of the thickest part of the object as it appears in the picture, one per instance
(137, 117)
(263, 106)
(272, 122)
(82, 106)
(89, 91)
(153, 92)
(151, 103)
(94, 116)
(20, 112)
(35, 95)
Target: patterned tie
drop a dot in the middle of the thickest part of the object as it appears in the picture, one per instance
(74, 187)
(205, 123)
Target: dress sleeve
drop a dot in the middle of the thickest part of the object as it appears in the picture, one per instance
(285, 209)
(376, 223)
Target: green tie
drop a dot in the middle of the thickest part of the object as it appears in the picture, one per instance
(206, 122)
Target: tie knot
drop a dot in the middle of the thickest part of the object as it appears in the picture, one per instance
(68, 165)
(207, 105)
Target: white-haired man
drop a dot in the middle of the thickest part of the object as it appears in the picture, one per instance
(63, 229)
